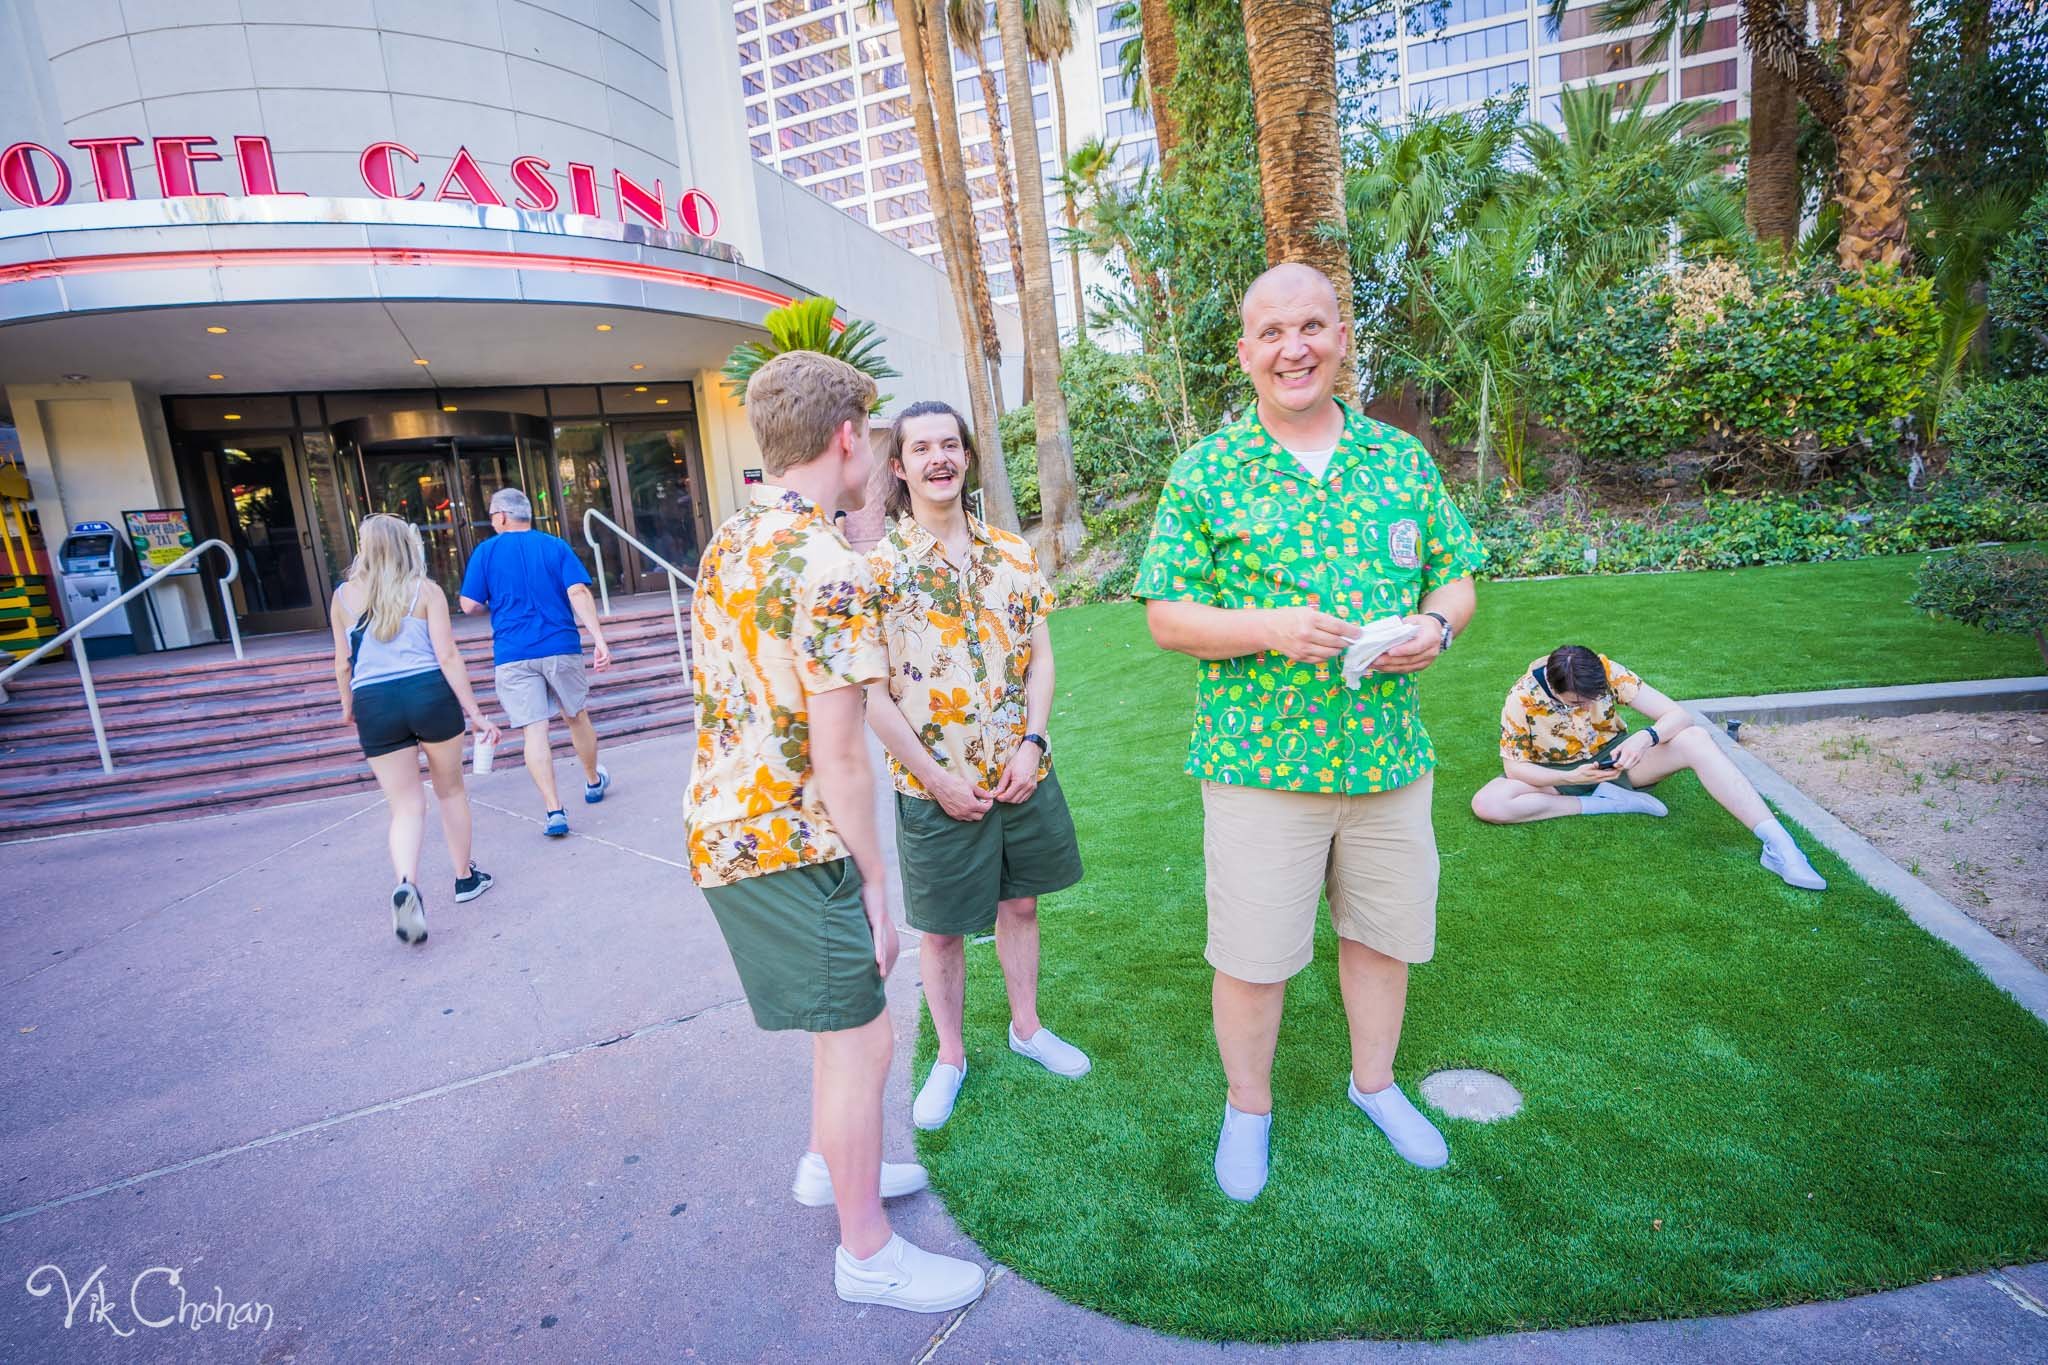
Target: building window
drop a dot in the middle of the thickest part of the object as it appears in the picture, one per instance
(839, 188)
(1719, 114)
(1105, 18)
(761, 144)
(1359, 34)
(914, 235)
(824, 63)
(903, 206)
(1127, 122)
(801, 36)
(750, 54)
(757, 114)
(795, 136)
(814, 100)
(778, 10)
(821, 160)
(750, 83)
(882, 47)
(888, 111)
(1475, 46)
(1710, 79)
(745, 19)
(1430, 19)
(855, 210)
(1601, 58)
(1470, 87)
(898, 175)
(895, 142)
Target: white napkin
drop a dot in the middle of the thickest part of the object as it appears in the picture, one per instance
(1374, 639)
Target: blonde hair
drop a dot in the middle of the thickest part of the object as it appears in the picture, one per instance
(797, 400)
(390, 566)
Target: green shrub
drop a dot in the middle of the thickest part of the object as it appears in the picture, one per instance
(2004, 592)
(1122, 442)
(1020, 456)
(2019, 283)
(1775, 374)
(1998, 436)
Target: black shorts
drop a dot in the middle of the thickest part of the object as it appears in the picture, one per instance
(419, 708)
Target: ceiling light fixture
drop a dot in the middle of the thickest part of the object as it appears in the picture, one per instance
(604, 326)
(638, 366)
(660, 401)
(232, 416)
(448, 407)
(419, 360)
(639, 388)
(216, 376)
(218, 331)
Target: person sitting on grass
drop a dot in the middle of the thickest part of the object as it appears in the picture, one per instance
(1564, 750)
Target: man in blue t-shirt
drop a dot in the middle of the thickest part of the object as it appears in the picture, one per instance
(536, 591)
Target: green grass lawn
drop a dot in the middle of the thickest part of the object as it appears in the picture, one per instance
(1738, 1094)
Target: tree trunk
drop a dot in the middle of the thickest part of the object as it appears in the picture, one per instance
(953, 161)
(1059, 113)
(997, 502)
(1293, 57)
(1875, 141)
(1162, 64)
(1059, 505)
(999, 145)
(1772, 200)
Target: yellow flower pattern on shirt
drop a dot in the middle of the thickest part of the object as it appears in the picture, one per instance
(785, 609)
(959, 645)
(1535, 727)
(1242, 524)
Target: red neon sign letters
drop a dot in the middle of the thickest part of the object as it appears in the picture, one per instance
(35, 177)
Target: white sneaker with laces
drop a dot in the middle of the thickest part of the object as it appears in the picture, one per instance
(1416, 1140)
(1051, 1051)
(935, 1100)
(1791, 866)
(1241, 1152)
(813, 1185)
(902, 1275)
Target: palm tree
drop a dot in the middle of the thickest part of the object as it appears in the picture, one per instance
(808, 326)
(1060, 507)
(974, 325)
(967, 21)
(1161, 54)
(1105, 213)
(938, 67)
(1868, 113)
(1612, 186)
(1874, 145)
(1049, 29)
(1292, 50)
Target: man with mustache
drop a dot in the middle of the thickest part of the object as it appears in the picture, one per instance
(1276, 539)
(982, 829)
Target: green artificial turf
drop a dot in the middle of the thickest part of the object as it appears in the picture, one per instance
(1738, 1094)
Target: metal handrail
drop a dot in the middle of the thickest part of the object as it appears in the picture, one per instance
(155, 580)
(675, 575)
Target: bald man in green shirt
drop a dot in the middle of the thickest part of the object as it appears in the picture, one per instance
(1276, 540)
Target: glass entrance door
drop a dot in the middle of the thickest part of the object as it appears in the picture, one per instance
(254, 487)
(664, 480)
(419, 486)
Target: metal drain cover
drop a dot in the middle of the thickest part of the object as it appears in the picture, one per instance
(1477, 1095)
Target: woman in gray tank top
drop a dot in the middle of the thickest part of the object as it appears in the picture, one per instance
(405, 687)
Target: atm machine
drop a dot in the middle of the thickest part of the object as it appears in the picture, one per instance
(96, 564)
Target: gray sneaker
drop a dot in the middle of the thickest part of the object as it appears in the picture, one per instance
(408, 914)
(1791, 867)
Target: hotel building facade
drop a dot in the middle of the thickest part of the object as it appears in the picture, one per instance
(279, 264)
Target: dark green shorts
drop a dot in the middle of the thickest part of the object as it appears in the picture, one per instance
(1587, 788)
(801, 941)
(954, 871)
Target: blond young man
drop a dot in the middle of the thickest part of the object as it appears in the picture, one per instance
(782, 821)
(1276, 539)
(982, 828)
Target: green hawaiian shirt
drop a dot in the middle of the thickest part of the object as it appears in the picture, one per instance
(1241, 524)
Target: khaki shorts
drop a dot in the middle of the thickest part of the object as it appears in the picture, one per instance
(1272, 854)
(529, 688)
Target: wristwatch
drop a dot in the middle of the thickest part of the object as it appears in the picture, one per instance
(1445, 622)
(1044, 748)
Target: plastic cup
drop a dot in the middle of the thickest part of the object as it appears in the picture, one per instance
(483, 752)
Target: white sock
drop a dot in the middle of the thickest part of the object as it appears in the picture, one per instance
(864, 1262)
(1611, 798)
(1775, 835)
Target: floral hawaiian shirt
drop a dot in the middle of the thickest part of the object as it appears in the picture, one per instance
(1535, 727)
(1241, 524)
(785, 608)
(960, 645)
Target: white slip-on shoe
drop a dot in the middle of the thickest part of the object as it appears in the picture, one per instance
(1241, 1150)
(813, 1184)
(408, 914)
(1620, 800)
(934, 1103)
(902, 1275)
(1416, 1140)
(1791, 866)
(1051, 1051)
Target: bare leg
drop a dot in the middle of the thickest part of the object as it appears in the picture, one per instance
(583, 735)
(848, 1070)
(942, 961)
(1375, 990)
(398, 775)
(444, 766)
(1695, 749)
(1247, 1030)
(540, 764)
(1504, 801)
(1017, 946)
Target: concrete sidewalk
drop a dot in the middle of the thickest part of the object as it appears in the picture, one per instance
(551, 1133)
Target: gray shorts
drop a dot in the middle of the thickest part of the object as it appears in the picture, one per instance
(529, 689)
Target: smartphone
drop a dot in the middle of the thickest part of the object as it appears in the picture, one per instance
(1604, 761)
